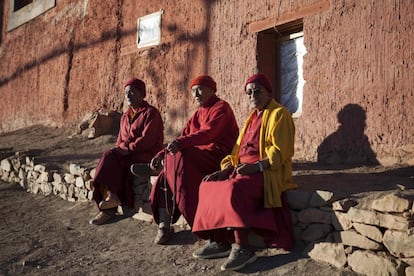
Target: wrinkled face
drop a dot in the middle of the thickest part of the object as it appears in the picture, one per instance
(133, 96)
(201, 93)
(258, 95)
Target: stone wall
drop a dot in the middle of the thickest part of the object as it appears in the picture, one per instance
(371, 233)
(74, 58)
(72, 185)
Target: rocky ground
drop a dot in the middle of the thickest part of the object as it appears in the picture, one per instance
(46, 235)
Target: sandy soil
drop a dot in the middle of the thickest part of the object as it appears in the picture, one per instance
(46, 235)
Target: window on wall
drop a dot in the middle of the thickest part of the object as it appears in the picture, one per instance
(292, 51)
(22, 11)
(280, 55)
(149, 30)
(18, 4)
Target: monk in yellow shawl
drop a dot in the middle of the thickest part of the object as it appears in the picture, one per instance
(247, 195)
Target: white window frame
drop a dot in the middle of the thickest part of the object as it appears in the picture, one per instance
(149, 30)
(28, 12)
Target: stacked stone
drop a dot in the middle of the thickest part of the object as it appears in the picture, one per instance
(73, 186)
(372, 234)
(142, 189)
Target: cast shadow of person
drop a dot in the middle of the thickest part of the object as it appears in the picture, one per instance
(348, 146)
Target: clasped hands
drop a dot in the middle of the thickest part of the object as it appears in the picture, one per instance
(242, 169)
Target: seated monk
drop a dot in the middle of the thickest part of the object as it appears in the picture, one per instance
(208, 136)
(140, 138)
(248, 195)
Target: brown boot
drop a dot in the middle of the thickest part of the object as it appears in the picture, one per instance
(103, 217)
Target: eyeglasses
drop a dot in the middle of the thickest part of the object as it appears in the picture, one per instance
(254, 91)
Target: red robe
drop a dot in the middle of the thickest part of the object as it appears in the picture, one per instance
(238, 202)
(208, 136)
(143, 136)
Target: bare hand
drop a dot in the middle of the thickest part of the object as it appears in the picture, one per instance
(246, 169)
(173, 147)
(218, 175)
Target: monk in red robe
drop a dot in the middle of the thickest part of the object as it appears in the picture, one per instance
(140, 138)
(247, 195)
(208, 136)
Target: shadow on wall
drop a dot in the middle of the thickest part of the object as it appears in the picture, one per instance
(348, 145)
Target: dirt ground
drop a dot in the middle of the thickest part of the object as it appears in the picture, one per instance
(46, 235)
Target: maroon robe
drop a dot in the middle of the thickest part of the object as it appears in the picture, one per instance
(143, 136)
(238, 202)
(208, 136)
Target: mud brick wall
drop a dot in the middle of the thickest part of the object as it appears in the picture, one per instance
(73, 60)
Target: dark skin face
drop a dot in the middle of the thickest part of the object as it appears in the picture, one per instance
(133, 96)
(201, 93)
(258, 95)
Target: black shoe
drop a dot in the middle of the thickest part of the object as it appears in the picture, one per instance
(140, 169)
(213, 250)
(164, 234)
(239, 257)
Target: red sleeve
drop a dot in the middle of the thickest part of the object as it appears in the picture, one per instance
(187, 128)
(123, 132)
(211, 130)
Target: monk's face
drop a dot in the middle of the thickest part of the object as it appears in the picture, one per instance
(201, 93)
(258, 95)
(133, 96)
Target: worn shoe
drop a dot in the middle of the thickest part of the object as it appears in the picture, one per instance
(109, 204)
(164, 234)
(239, 257)
(103, 217)
(213, 250)
(140, 169)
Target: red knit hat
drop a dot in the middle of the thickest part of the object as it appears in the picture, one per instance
(137, 83)
(261, 79)
(204, 80)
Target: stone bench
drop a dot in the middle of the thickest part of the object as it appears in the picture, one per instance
(142, 189)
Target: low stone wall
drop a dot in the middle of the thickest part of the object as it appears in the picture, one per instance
(371, 233)
(74, 185)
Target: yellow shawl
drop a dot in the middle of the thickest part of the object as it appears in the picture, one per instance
(277, 133)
